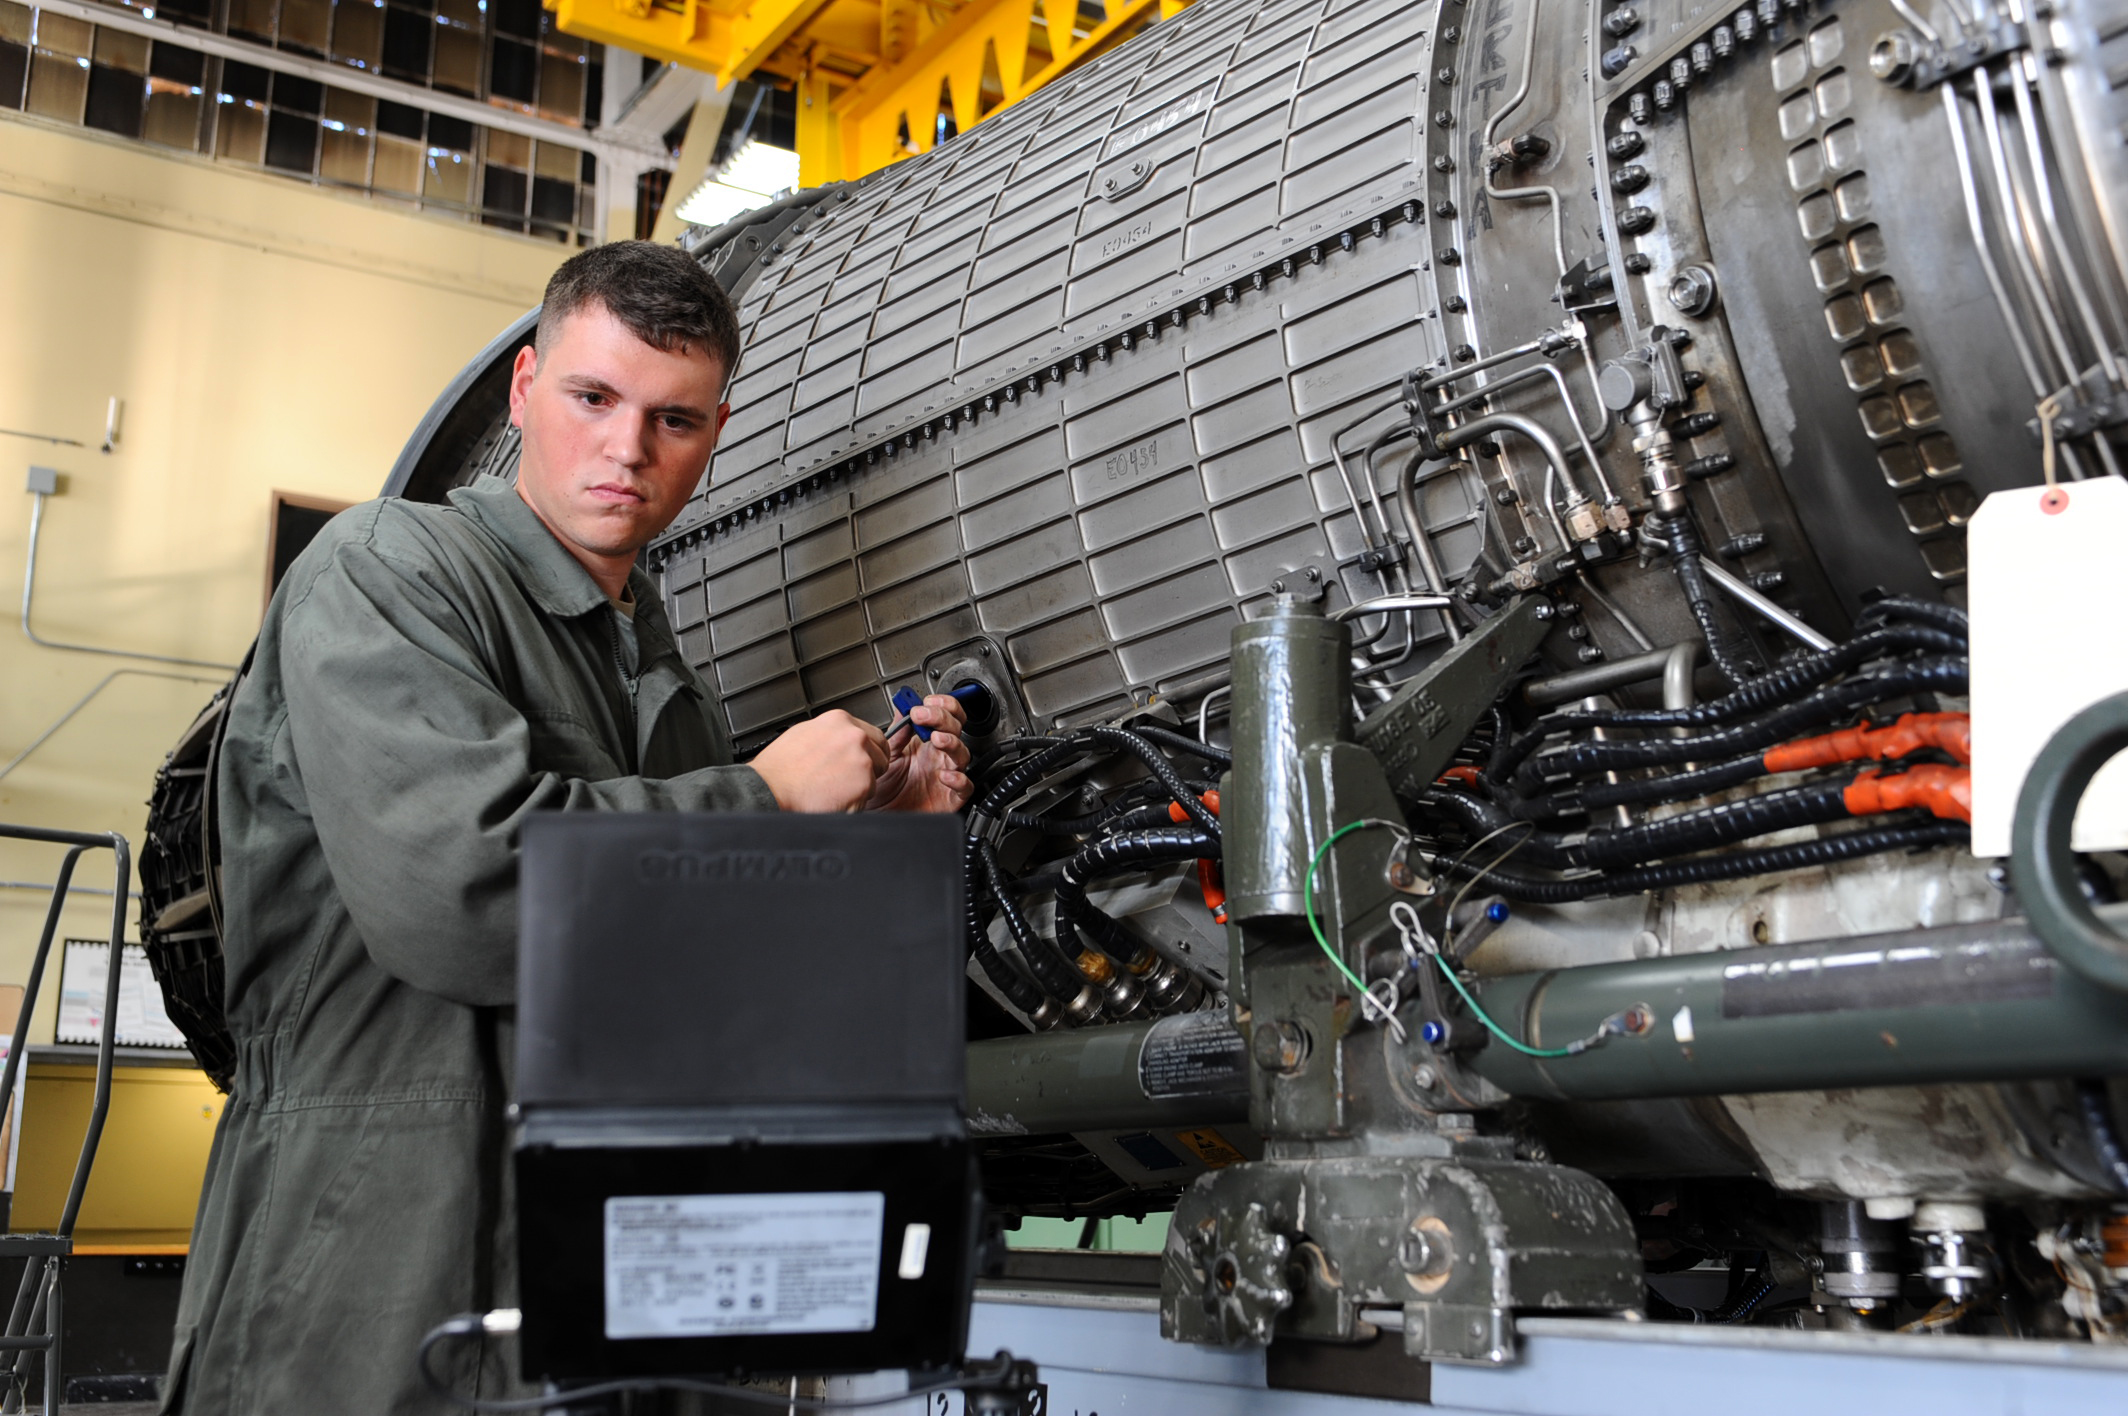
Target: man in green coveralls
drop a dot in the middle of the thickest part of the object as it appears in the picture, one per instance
(427, 677)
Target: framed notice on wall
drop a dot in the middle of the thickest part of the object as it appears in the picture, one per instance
(84, 972)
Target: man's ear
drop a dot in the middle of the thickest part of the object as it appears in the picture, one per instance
(723, 412)
(521, 375)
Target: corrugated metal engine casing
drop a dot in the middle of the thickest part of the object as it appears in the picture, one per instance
(1069, 383)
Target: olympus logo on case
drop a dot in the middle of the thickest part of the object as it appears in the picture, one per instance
(743, 865)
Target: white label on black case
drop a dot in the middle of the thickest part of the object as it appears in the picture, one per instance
(736, 1265)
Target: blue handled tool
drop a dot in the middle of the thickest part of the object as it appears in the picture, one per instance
(907, 698)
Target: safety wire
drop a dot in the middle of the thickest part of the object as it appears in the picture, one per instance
(1416, 941)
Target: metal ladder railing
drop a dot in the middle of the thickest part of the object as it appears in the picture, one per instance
(39, 1298)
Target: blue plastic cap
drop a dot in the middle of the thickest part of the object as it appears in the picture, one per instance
(1433, 1033)
(1497, 912)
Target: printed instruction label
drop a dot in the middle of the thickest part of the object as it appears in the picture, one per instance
(732, 1265)
(1195, 1054)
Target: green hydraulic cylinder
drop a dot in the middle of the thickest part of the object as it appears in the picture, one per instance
(1188, 1070)
(1292, 691)
(1959, 1003)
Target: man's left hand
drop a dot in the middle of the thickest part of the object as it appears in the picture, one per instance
(927, 776)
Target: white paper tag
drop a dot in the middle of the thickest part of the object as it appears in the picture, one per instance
(2045, 590)
(730, 1265)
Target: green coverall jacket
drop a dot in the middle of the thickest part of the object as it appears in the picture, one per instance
(427, 677)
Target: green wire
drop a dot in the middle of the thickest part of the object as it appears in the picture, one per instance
(1307, 901)
(1499, 1032)
(1307, 896)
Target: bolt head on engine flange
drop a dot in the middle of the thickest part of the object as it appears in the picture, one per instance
(1891, 58)
(1691, 291)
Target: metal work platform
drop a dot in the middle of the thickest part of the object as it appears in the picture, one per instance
(1091, 1322)
(1104, 1354)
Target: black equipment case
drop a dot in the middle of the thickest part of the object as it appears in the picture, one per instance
(740, 1062)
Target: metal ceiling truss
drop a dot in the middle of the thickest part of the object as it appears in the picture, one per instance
(877, 80)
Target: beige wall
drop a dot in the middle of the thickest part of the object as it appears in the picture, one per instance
(263, 334)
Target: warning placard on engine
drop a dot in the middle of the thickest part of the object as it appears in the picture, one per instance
(1192, 1055)
(732, 1265)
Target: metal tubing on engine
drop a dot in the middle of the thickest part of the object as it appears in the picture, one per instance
(1464, 434)
(1292, 681)
(1089, 1079)
(1960, 1003)
(1576, 684)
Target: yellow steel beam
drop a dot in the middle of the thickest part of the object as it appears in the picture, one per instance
(985, 39)
(845, 36)
(728, 38)
(980, 58)
(690, 32)
(819, 136)
(760, 30)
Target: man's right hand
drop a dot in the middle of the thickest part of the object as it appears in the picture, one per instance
(828, 763)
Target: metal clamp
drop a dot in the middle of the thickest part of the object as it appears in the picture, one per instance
(1587, 287)
(2083, 416)
(1901, 58)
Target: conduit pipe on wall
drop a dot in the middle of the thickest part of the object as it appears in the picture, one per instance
(101, 684)
(29, 590)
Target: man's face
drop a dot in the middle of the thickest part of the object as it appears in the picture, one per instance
(616, 433)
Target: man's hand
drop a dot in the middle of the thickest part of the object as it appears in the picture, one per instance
(927, 776)
(828, 763)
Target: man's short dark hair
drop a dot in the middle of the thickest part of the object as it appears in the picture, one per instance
(658, 292)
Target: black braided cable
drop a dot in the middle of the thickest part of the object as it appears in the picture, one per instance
(1725, 865)
(1013, 783)
(1122, 815)
(1948, 618)
(1058, 975)
(1677, 786)
(1161, 768)
(1780, 686)
(1116, 855)
(1730, 660)
(1813, 804)
(2096, 1106)
(1827, 705)
(1021, 991)
(1182, 742)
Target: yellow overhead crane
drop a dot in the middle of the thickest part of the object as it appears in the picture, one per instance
(876, 80)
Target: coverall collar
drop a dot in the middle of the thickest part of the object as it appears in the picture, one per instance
(553, 577)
